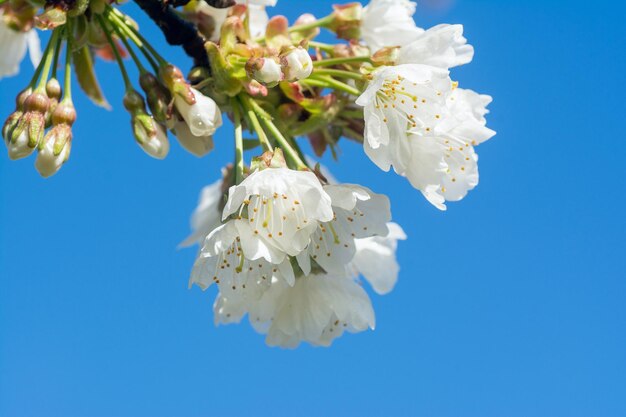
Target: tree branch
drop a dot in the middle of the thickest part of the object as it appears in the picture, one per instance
(176, 30)
(218, 4)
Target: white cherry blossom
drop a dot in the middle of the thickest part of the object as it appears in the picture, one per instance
(358, 213)
(389, 23)
(223, 262)
(277, 210)
(13, 46)
(441, 46)
(419, 123)
(397, 101)
(317, 309)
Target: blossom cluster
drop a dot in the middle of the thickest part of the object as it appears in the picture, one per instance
(285, 244)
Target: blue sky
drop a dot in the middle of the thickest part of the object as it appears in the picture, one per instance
(512, 303)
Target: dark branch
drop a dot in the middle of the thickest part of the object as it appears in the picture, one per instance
(221, 4)
(218, 4)
(176, 30)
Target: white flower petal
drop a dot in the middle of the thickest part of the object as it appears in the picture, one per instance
(375, 259)
(388, 23)
(12, 49)
(206, 216)
(440, 46)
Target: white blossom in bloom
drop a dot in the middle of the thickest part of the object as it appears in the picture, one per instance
(441, 46)
(196, 145)
(452, 143)
(389, 23)
(203, 117)
(397, 101)
(223, 261)
(297, 64)
(13, 46)
(358, 213)
(277, 210)
(419, 123)
(317, 309)
(207, 215)
(375, 259)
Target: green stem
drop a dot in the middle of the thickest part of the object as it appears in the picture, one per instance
(37, 73)
(67, 84)
(57, 51)
(140, 38)
(130, 50)
(265, 143)
(322, 46)
(238, 142)
(299, 28)
(118, 57)
(318, 23)
(337, 85)
(338, 61)
(284, 144)
(339, 73)
(124, 27)
(312, 83)
(48, 60)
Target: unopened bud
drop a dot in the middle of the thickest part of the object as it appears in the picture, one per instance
(196, 145)
(28, 133)
(265, 70)
(299, 35)
(64, 114)
(203, 116)
(297, 64)
(277, 33)
(232, 31)
(157, 96)
(269, 159)
(133, 101)
(151, 135)
(346, 22)
(386, 55)
(37, 102)
(222, 72)
(175, 82)
(55, 150)
(51, 18)
(11, 123)
(53, 90)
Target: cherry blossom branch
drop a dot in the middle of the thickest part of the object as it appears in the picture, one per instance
(176, 30)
